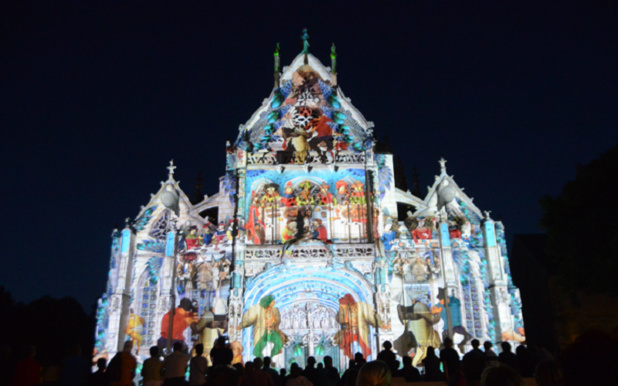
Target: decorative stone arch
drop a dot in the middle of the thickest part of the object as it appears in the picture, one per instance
(289, 283)
(472, 294)
(145, 304)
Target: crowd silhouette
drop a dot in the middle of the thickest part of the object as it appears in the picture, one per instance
(587, 361)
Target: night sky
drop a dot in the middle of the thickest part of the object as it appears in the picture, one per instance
(97, 96)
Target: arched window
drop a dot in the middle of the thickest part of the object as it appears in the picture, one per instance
(148, 300)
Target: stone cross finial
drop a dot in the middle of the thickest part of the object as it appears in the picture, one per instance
(170, 169)
(442, 165)
(487, 214)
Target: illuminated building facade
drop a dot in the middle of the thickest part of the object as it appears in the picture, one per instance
(307, 256)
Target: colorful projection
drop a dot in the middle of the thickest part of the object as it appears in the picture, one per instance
(307, 255)
(286, 208)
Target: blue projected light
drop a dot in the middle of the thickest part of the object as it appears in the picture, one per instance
(126, 239)
(169, 244)
(444, 235)
(490, 234)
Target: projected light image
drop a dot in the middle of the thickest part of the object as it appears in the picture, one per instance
(308, 254)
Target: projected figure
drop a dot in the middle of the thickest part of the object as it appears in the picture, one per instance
(135, 329)
(304, 196)
(418, 322)
(389, 236)
(271, 196)
(268, 340)
(358, 194)
(321, 136)
(342, 192)
(453, 230)
(288, 232)
(288, 199)
(325, 197)
(212, 324)
(355, 319)
(421, 232)
(455, 307)
(319, 231)
(192, 240)
(255, 225)
(184, 316)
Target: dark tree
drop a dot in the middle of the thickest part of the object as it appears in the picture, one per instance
(582, 229)
(53, 326)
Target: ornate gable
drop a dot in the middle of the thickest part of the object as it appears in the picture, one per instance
(306, 119)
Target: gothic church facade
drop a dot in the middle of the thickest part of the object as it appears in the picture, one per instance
(307, 256)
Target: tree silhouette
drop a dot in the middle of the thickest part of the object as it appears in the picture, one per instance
(582, 229)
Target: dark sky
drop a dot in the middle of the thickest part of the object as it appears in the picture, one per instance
(97, 96)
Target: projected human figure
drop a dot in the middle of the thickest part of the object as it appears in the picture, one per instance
(184, 316)
(135, 329)
(264, 317)
(355, 318)
(454, 305)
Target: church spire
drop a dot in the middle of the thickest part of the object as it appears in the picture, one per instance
(277, 65)
(305, 39)
(333, 65)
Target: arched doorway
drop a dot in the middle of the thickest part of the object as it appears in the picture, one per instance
(307, 298)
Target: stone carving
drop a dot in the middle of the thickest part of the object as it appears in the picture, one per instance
(309, 252)
(312, 158)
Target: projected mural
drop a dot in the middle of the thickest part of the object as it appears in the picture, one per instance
(304, 250)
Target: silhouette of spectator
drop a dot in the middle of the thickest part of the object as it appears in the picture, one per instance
(296, 377)
(507, 357)
(432, 366)
(254, 376)
(350, 375)
(501, 375)
(272, 372)
(240, 370)
(473, 363)
(388, 356)
(450, 359)
(221, 353)
(175, 366)
(99, 377)
(525, 361)
(375, 373)
(152, 370)
(122, 367)
(489, 352)
(75, 368)
(223, 376)
(408, 372)
(548, 373)
(27, 371)
(590, 360)
(329, 376)
(541, 354)
(283, 375)
(359, 359)
(6, 364)
(50, 372)
(310, 372)
(198, 366)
